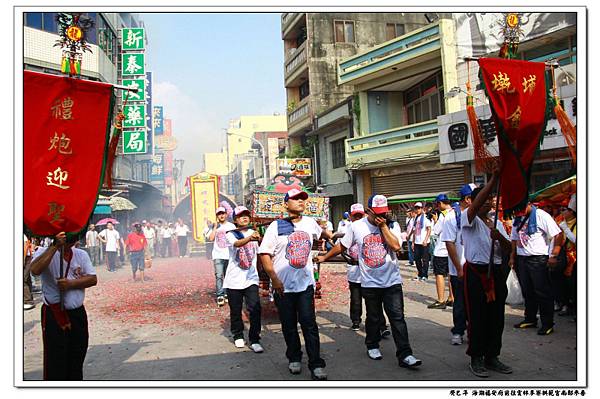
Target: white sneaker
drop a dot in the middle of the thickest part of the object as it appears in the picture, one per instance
(239, 343)
(375, 354)
(410, 362)
(319, 374)
(457, 339)
(257, 348)
(28, 306)
(295, 367)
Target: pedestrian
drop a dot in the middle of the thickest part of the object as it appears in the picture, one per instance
(484, 295)
(220, 252)
(285, 254)
(378, 239)
(181, 231)
(28, 302)
(92, 244)
(167, 238)
(532, 230)
(410, 225)
(241, 280)
(420, 236)
(64, 329)
(569, 228)
(344, 223)
(158, 248)
(150, 235)
(440, 255)
(111, 239)
(136, 244)
(456, 259)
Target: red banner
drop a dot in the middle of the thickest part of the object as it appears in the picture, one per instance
(66, 127)
(517, 93)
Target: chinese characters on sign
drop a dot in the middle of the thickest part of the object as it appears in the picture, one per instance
(157, 120)
(134, 141)
(140, 85)
(269, 204)
(132, 39)
(133, 64)
(135, 116)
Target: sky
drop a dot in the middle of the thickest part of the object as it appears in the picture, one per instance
(210, 68)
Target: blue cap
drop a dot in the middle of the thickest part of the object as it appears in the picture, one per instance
(346, 215)
(467, 189)
(441, 198)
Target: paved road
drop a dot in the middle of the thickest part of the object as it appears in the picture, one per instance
(169, 328)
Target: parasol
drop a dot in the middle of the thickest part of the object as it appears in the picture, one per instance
(104, 221)
(556, 193)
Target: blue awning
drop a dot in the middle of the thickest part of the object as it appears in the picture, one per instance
(102, 210)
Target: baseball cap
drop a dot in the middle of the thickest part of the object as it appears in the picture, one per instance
(294, 193)
(143, 221)
(418, 205)
(346, 215)
(356, 208)
(378, 203)
(467, 189)
(441, 198)
(220, 210)
(239, 210)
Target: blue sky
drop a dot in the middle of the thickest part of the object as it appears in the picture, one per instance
(210, 68)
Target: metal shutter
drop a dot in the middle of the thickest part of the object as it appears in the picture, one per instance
(432, 181)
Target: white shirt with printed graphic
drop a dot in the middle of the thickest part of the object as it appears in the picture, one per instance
(291, 254)
(538, 242)
(221, 245)
(378, 267)
(241, 270)
(421, 225)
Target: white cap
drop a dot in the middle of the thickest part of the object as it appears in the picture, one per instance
(220, 210)
(239, 210)
(418, 204)
(357, 208)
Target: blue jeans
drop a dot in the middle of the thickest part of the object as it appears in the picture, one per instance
(220, 270)
(294, 308)
(137, 260)
(411, 258)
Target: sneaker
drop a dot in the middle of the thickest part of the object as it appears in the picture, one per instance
(220, 301)
(416, 278)
(257, 348)
(375, 354)
(355, 326)
(239, 343)
(545, 330)
(477, 367)
(437, 305)
(496, 365)
(385, 332)
(28, 306)
(526, 324)
(318, 374)
(423, 278)
(566, 311)
(457, 339)
(410, 362)
(295, 367)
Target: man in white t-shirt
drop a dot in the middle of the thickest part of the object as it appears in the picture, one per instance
(220, 252)
(378, 240)
(285, 253)
(167, 240)
(111, 238)
(64, 330)
(150, 235)
(456, 259)
(440, 255)
(357, 212)
(181, 232)
(531, 234)
(92, 244)
(410, 225)
(484, 296)
(241, 279)
(420, 237)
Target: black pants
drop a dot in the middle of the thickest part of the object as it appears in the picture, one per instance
(27, 287)
(422, 259)
(64, 352)
(356, 306)
(182, 242)
(393, 303)
(294, 308)
(485, 319)
(534, 278)
(112, 260)
(236, 299)
(459, 315)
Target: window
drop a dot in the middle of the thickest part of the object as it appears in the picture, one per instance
(106, 39)
(564, 50)
(344, 31)
(425, 101)
(394, 30)
(304, 90)
(338, 153)
(33, 20)
(45, 21)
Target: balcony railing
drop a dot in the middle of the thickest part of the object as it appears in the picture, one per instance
(394, 51)
(299, 113)
(405, 141)
(295, 60)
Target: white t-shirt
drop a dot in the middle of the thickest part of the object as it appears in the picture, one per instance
(410, 224)
(538, 242)
(81, 265)
(451, 233)
(167, 232)
(292, 259)
(477, 241)
(181, 230)
(112, 238)
(378, 267)
(329, 226)
(91, 238)
(149, 233)
(421, 225)
(343, 225)
(353, 270)
(221, 245)
(241, 270)
(440, 247)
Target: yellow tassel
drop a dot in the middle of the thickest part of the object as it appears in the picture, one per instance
(568, 131)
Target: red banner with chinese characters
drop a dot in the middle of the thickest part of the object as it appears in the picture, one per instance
(517, 93)
(66, 125)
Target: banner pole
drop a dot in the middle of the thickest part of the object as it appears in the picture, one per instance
(494, 226)
(61, 252)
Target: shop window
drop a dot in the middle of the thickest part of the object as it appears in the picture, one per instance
(338, 153)
(344, 31)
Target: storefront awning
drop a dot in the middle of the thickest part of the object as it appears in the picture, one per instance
(102, 210)
(422, 197)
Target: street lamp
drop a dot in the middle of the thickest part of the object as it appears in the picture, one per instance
(262, 150)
